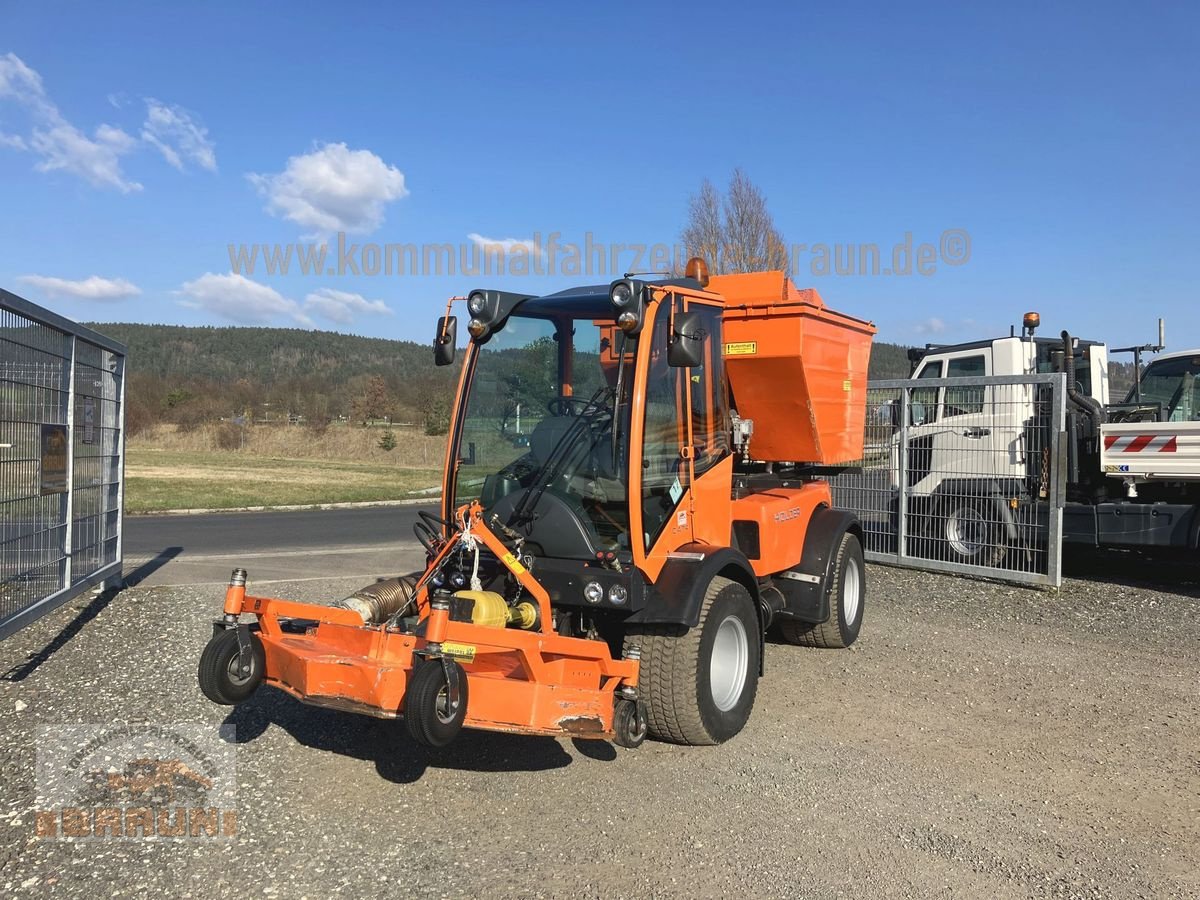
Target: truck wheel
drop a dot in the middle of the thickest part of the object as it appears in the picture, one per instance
(431, 717)
(699, 683)
(972, 534)
(220, 680)
(847, 599)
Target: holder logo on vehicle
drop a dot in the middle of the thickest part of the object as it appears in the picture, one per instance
(1141, 443)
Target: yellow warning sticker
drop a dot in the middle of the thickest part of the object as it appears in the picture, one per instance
(461, 652)
(742, 348)
(846, 385)
(514, 564)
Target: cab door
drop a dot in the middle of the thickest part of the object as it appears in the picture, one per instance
(681, 480)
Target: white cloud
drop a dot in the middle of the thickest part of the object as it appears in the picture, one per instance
(13, 141)
(93, 288)
(504, 245)
(178, 136)
(342, 307)
(238, 299)
(58, 143)
(332, 189)
(932, 325)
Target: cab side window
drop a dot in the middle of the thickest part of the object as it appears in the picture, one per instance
(710, 411)
(965, 399)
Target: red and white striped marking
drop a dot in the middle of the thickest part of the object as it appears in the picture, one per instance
(1141, 443)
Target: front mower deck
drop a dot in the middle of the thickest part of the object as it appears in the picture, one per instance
(527, 682)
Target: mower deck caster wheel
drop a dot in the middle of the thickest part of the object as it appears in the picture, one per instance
(222, 679)
(434, 709)
(630, 724)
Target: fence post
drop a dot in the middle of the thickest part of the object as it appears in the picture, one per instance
(69, 506)
(902, 479)
(1058, 480)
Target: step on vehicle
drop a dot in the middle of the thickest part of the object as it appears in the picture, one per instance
(632, 495)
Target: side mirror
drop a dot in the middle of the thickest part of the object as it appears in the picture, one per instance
(686, 349)
(916, 412)
(444, 340)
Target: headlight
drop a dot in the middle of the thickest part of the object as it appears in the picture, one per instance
(618, 594)
(476, 304)
(593, 592)
(626, 321)
(476, 328)
(621, 294)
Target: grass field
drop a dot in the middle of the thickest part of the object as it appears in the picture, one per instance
(173, 479)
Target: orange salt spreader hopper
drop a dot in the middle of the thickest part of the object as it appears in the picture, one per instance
(633, 494)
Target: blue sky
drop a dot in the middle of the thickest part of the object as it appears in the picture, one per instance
(138, 142)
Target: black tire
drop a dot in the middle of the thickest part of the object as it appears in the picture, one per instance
(427, 712)
(684, 705)
(219, 678)
(971, 533)
(847, 602)
(630, 724)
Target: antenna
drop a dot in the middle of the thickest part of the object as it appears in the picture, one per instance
(1162, 334)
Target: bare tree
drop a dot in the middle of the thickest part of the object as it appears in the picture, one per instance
(735, 233)
(704, 234)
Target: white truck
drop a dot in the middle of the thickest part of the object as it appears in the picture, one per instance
(978, 458)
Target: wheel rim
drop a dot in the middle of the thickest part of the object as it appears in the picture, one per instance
(236, 678)
(967, 531)
(851, 591)
(727, 667)
(443, 708)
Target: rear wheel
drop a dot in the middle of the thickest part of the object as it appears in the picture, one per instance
(973, 535)
(699, 683)
(847, 600)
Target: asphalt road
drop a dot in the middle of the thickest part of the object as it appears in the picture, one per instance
(273, 546)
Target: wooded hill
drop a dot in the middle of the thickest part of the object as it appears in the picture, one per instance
(191, 375)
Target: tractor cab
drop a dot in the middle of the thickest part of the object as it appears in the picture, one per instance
(585, 422)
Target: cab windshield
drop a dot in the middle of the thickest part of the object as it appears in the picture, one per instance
(548, 411)
(1174, 383)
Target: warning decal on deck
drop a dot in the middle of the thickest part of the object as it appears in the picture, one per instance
(742, 348)
(461, 652)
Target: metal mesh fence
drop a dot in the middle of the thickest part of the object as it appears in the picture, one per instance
(61, 392)
(962, 475)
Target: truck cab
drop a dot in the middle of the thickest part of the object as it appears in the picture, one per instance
(978, 471)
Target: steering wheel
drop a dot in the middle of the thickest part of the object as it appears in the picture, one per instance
(567, 406)
(427, 534)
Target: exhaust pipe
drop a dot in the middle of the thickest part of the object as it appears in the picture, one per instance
(1091, 407)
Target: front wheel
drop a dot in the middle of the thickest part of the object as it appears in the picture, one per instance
(699, 683)
(434, 711)
(222, 679)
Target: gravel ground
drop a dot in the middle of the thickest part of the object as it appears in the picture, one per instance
(978, 741)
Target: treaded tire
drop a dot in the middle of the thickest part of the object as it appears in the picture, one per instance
(425, 714)
(217, 674)
(837, 631)
(675, 677)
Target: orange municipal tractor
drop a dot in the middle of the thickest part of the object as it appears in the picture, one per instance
(632, 495)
